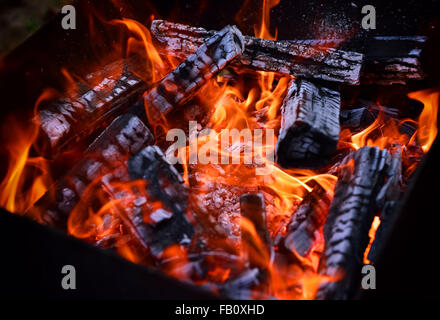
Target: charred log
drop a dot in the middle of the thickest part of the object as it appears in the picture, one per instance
(182, 83)
(309, 125)
(393, 60)
(126, 135)
(387, 60)
(69, 120)
(388, 199)
(285, 57)
(305, 225)
(362, 175)
(164, 183)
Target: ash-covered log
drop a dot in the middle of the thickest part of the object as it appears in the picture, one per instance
(310, 126)
(304, 228)
(285, 57)
(125, 136)
(183, 82)
(362, 174)
(65, 122)
(163, 183)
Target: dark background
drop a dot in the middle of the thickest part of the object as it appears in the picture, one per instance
(408, 268)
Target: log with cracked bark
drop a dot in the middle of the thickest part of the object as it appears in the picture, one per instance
(182, 83)
(126, 135)
(304, 227)
(310, 127)
(387, 59)
(388, 199)
(283, 57)
(362, 175)
(65, 122)
(163, 183)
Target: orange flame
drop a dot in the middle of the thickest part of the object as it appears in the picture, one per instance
(428, 118)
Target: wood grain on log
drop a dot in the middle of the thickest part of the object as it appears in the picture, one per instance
(65, 122)
(362, 174)
(182, 83)
(387, 60)
(285, 57)
(306, 223)
(309, 125)
(388, 199)
(125, 136)
(164, 183)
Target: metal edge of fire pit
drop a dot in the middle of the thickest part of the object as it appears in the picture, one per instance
(33, 256)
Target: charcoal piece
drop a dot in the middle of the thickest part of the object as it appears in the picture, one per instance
(306, 222)
(284, 57)
(310, 127)
(67, 121)
(183, 82)
(240, 288)
(164, 183)
(362, 175)
(364, 114)
(253, 208)
(126, 135)
(388, 200)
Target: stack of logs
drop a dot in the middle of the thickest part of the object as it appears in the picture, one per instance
(311, 120)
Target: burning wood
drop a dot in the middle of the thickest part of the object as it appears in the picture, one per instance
(66, 121)
(304, 228)
(388, 197)
(362, 174)
(126, 135)
(285, 57)
(182, 83)
(393, 60)
(387, 60)
(309, 126)
(165, 184)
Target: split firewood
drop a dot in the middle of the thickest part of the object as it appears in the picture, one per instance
(284, 57)
(362, 174)
(388, 200)
(125, 136)
(304, 228)
(310, 127)
(201, 65)
(163, 183)
(69, 120)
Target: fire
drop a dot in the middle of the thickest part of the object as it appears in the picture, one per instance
(372, 234)
(428, 119)
(102, 214)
